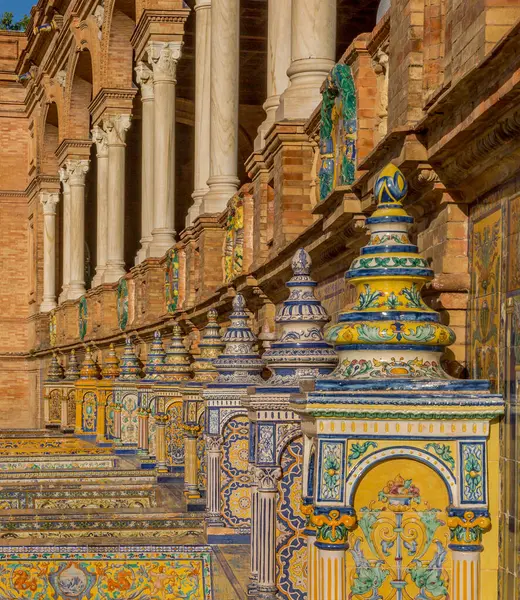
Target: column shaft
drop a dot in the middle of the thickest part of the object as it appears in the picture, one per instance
(255, 540)
(145, 80)
(116, 128)
(213, 454)
(160, 444)
(77, 171)
(191, 488)
(202, 106)
(49, 202)
(466, 575)
(100, 138)
(278, 61)
(266, 524)
(143, 439)
(164, 57)
(313, 53)
(331, 575)
(223, 181)
(64, 178)
(312, 566)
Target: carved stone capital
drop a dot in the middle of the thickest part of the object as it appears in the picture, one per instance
(61, 78)
(213, 444)
(49, 201)
(163, 57)
(100, 138)
(144, 76)
(64, 175)
(77, 170)
(115, 128)
(267, 478)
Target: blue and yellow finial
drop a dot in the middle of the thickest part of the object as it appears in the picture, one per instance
(390, 332)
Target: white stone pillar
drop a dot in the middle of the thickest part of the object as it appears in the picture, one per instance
(466, 574)
(164, 56)
(145, 81)
(202, 106)
(278, 61)
(313, 54)
(267, 500)
(64, 178)
(77, 170)
(213, 456)
(116, 127)
(223, 181)
(49, 202)
(100, 138)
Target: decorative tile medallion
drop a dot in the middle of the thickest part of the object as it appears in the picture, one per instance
(171, 280)
(234, 238)
(338, 133)
(122, 304)
(82, 317)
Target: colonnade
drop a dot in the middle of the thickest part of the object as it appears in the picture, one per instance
(301, 51)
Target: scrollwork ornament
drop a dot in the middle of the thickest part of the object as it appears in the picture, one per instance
(333, 528)
(468, 529)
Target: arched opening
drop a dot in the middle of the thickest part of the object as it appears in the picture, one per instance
(49, 163)
(80, 98)
(120, 51)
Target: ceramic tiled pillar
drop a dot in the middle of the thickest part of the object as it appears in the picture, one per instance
(49, 202)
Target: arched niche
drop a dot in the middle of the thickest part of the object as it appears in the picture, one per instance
(119, 53)
(401, 539)
(80, 98)
(50, 142)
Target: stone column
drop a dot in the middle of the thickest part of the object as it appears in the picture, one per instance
(313, 54)
(49, 202)
(143, 441)
(267, 498)
(101, 418)
(278, 61)
(252, 587)
(223, 181)
(117, 424)
(116, 127)
(213, 455)
(161, 421)
(332, 529)
(467, 529)
(191, 472)
(100, 138)
(64, 178)
(145, 81)
(77, 170)
(202, 106)
(164, 56)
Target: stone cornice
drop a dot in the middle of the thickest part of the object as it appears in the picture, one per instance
(159, 26)
(111, 101)
(42, 182)
(73, 149)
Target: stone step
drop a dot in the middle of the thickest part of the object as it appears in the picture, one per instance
(174, 526)
(53, 463)
(98, 477)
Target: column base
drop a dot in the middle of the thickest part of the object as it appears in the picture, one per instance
(162, 241)
(114, 272)
(221, 189)
(304, 92)
(76, 290)
(98, 277)
(47, 305)
(144, 251)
